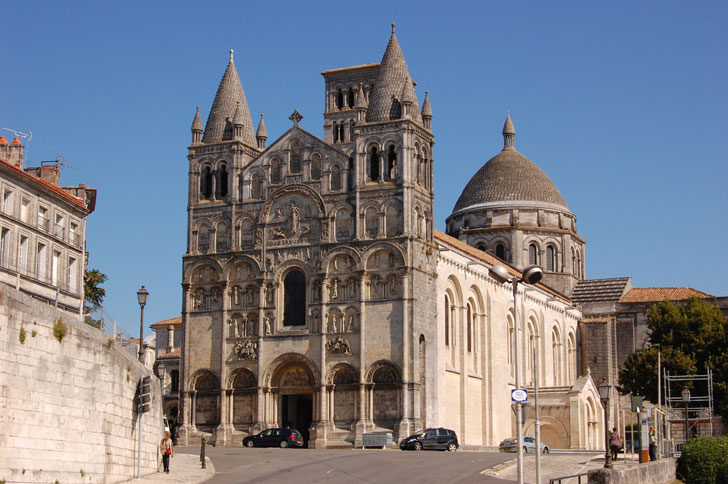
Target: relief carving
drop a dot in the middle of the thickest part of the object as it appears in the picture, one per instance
(246, 350)
(338, 346)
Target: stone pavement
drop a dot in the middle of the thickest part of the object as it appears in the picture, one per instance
(183, 469)
(558, 465)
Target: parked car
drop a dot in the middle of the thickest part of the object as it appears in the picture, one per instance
(439, 438)
(275, 438)
(529, 445)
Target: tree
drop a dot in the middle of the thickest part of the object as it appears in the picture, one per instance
(93, 291)
(691, 337)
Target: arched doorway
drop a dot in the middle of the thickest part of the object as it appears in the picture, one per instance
(294, 384)
(206, 406)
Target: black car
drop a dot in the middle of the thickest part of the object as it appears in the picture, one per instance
(436, 439)
(275, 438)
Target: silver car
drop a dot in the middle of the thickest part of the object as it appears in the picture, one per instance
(529, 445)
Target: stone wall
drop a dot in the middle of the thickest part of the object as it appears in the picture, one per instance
(658, 472)
(68, 413)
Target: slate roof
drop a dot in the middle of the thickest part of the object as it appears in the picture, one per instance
(384, 102)
(593, 290)
(230, 91)
(657, 294)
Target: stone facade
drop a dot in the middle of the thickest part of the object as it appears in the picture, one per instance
(68, 401)
(317, 294)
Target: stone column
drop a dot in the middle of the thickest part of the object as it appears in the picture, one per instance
(361, 423)
(406, 407)
(184, 414)
(260, 415)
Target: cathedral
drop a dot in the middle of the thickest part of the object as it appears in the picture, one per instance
(317, 293)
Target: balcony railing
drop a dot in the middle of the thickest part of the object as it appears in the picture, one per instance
(43, 223)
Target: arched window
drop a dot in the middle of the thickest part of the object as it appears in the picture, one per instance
(257, 188)
(571, 355)
(221, 187)
(447, 320)
(470, 328)
(373, 164)
(556, 355)
(296, 158)
(174, 383)
(294, 298)
(206, 182)
(335, 133)
(315, 166)
(530, 361)
(391, 163)
(532, 254)
(511, 346)
(339, 99)
(500, 251)
(550, 258)
(335, 178)
(340, 128)
(350, 98)
(481, 247)
(276, 171)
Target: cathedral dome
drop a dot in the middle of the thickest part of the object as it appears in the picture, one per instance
(510, 177)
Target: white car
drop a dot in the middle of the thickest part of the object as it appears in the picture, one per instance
(529, 445)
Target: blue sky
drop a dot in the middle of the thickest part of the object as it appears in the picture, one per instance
(622, 104)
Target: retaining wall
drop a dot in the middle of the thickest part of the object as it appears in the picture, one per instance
(67, 401)
(658, 472)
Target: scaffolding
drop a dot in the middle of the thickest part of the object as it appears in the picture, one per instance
(700, 405)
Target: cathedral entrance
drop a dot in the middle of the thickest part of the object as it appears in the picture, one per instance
(297, 413)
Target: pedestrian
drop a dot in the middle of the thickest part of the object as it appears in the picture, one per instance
(167, 450)
(653, 444)
(615, 442)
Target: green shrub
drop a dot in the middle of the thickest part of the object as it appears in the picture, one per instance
(701, 460)
(722, 477)
(21, 336)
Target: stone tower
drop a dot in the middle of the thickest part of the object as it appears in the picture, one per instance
(309, 274)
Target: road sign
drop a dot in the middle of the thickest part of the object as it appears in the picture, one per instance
(519, 395)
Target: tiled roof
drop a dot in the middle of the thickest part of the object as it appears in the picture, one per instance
(261, 132)
(384, 102)
(426, 107)
(592, 290)
(46, 185)
(488, 258)
(509, 176)
(176, 353)
(168, 322)
(656, 294)
(196, 121)
(229, 93)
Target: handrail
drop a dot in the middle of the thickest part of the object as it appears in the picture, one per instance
(557, 480)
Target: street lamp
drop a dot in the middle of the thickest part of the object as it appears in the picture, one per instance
(530, 275)
(142, 295)
(685, 393)
(605, 390)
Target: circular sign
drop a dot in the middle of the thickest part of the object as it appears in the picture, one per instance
(519, 395)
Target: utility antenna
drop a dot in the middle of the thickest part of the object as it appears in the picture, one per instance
(61, 160)
(21, 134)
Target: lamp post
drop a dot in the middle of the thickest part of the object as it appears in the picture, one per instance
(142, 295)
(605, 390)
(530, 275)
(685, 394)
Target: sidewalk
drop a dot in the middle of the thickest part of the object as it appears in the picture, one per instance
(183, 469)
(556, 465)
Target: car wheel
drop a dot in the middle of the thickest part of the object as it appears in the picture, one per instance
(418, 445)
(546, 450)
(283, 444)
(249, 444)
(525, 450)
(451, 447)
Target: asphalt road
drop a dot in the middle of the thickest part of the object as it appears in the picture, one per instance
(235, 465)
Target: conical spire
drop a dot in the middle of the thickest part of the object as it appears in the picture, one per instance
(262, 132)
(196, 127)
(361, 100)
(384, 103)
(223, 108)
(196, 121)
(426, 108)
(408, 91)
(238, 119)
(509, 132)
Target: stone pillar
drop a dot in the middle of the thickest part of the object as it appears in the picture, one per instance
(360, 427)
(260, 416)
(406, 407)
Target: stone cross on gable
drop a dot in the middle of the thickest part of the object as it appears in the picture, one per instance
(296, 117)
